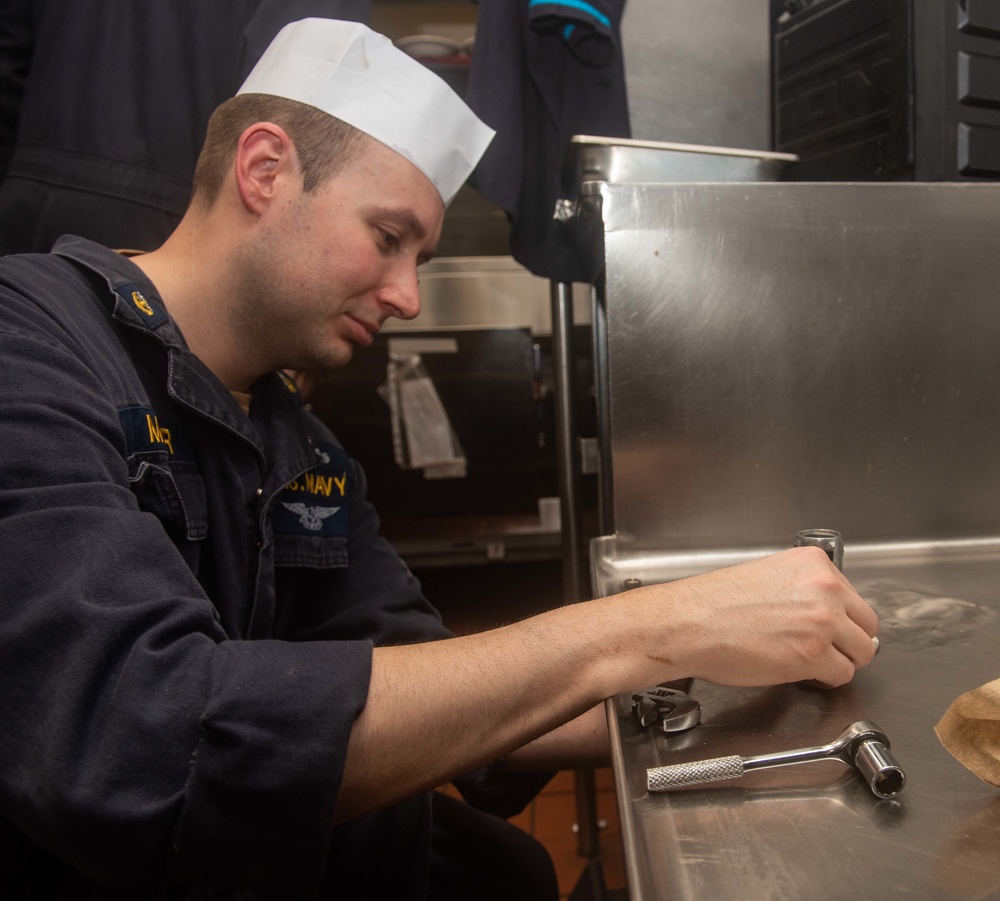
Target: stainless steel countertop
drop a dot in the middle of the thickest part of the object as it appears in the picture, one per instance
(783, 356)
(815, 831)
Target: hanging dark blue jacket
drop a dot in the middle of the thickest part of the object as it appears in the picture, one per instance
(542, 72)
(104, 105)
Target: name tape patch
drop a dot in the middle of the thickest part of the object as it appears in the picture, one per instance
(145, 432)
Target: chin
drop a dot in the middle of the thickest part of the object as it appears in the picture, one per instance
(338, 356)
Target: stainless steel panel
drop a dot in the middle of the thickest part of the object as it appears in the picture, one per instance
(699, 73)
(816, 831)
(597, 161)
(787, 356)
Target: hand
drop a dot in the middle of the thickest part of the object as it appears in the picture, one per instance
(788, 617)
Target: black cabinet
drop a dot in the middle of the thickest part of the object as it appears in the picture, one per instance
(889, 90)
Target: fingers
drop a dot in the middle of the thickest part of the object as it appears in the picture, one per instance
(855, 644)
(853, 640)
(854, 650)
(845, 656)
(811, 613)
(856, 607)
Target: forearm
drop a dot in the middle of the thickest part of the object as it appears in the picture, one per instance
(441, 709)
(579, 744)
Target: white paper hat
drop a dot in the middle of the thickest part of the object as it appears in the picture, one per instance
(357, 75)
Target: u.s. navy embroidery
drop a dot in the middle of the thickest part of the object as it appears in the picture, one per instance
(316, 483)
(149, 315)
(315, 502)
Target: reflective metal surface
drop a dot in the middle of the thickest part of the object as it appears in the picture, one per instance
(599, 161)
(863, 745)
(617, 160)
(830, 540)
(698, 72)
(792, 355)
(788, 354)
(817, 831)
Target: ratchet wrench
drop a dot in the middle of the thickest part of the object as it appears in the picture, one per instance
(862, 745)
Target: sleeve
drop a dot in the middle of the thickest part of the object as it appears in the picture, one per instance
(139, 743)
(378, 596)
(503, 794)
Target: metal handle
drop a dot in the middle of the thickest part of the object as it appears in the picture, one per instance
(863, 745)
(677, 775)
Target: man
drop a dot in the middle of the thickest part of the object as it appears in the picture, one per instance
(216, 679)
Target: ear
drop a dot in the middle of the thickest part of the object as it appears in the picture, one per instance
(264, 155)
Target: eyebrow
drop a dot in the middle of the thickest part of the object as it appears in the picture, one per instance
(405, 216)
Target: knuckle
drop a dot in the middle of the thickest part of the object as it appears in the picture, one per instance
(821, 617)
(827, 583)
(812, 646)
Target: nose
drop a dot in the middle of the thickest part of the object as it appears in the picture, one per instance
(400, 295)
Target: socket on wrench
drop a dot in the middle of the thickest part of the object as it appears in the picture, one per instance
(829, 540)
(862, 745)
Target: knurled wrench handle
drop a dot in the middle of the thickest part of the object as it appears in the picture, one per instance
(862, 745)
(716, 769)
(677, 775)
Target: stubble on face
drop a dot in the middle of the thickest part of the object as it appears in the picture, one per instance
(267, 316)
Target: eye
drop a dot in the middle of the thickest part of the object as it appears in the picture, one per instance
(388, 238)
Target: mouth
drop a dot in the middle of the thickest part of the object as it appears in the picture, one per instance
(363, 332)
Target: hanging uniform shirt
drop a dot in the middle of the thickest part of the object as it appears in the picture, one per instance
(544, 71)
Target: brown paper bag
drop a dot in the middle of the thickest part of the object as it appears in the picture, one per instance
(970, 730)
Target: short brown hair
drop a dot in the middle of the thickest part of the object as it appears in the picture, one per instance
(323, 143)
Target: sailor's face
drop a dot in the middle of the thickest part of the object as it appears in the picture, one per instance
(343, 259)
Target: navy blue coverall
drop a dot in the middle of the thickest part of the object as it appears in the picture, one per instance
(189, 598)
